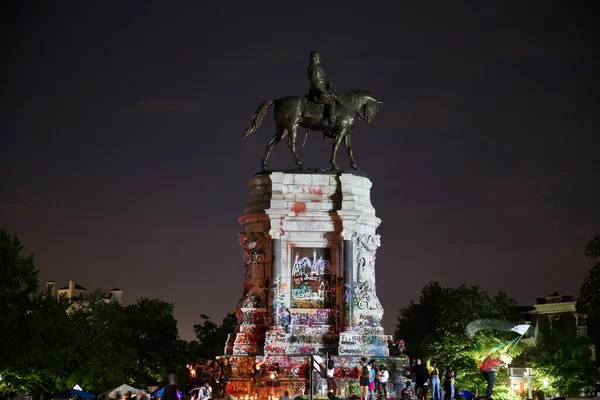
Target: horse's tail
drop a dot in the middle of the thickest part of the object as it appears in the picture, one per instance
(258, 116)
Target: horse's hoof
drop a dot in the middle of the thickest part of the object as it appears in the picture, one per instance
(354, 167)
(264, 167)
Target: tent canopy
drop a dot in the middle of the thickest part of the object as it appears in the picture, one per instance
(67, 394)
(161, 392)
(124, 388)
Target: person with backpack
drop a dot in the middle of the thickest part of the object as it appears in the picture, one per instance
(363, 378)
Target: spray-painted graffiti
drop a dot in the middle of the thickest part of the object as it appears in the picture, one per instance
(311, 278)
(312, 330)
(373, 345)
(369, 321)
(275, 337)
(320, 317)
(253, 318)
(252, 300)
(279, 314)
(273, 349)
(365, 296)
(254, 254)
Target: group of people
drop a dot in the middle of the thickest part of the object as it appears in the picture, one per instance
(214, 377)
(373, 381)
(376, 382)
(265, 377)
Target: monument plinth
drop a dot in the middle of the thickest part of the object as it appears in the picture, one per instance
(309, 240)
(309, 243)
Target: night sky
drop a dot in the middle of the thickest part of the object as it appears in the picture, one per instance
(122, 162)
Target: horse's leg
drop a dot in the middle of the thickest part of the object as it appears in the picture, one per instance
(338, 139)
(348, 143)
(292, 130)
(274, 140)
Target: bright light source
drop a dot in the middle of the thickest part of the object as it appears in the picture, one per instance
(545, 382)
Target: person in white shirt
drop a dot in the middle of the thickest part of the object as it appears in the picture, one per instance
(382, 379)
(205, 392)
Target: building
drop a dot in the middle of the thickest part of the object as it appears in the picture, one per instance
(555, 312)
(73, 290)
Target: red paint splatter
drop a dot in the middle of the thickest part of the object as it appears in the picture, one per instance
(281, 221)
(299, 207)
(317, 191)
(316, 201)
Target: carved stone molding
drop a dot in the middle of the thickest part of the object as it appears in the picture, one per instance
(365, 296)
(254, 245)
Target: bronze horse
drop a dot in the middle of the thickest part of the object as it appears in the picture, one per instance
(292, 112)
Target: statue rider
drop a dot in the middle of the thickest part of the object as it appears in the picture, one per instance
(320, 91)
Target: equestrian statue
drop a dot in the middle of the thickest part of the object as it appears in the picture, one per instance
(321, 110)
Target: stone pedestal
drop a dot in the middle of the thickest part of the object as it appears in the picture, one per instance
(309, 243)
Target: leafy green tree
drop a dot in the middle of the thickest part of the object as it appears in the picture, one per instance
(435, 329)
(99, 354)
(51, 343)
(563, 360)
(18, 287)
(589, 297)
(152, 330)
(52, 334)
(212, 338)
(78, 341)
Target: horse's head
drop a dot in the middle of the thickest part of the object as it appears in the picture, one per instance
(366, 103)
(371, 108)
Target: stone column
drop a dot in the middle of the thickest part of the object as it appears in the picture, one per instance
(348, 295)
(277, 305)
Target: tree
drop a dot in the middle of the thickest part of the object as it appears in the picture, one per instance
(212, 338)
(75, 341)
(18, 286)
(51, 343)
(18, 290)
(435, 328)
(589, 297)
(152, 330)
(99, 353)
(563, 361)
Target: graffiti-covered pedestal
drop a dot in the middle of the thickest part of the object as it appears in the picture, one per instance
(309, 241)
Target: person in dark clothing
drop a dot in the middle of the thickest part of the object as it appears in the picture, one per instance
(226, 372)
(449, 384)
(421, 378)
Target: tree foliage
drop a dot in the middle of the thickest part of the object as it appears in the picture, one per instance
(152, 331)
(589, 296)
(435, 328)
(51, 343)
(212, 338)
(563, 361)
(18, 288)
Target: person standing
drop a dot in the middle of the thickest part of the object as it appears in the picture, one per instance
(449, 384)
(286, 396)
(372, 373)
(421, 378)
(363, 379)
(382, 381)
(434, 377)
(257, 376)
(226, 371)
